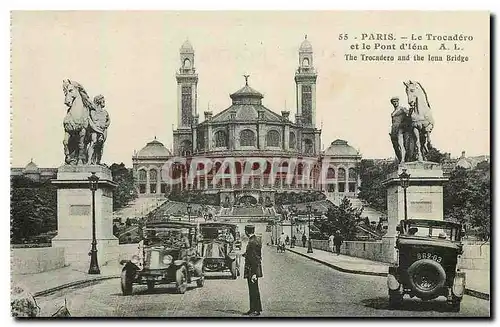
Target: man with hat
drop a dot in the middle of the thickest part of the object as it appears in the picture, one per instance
(253, 270)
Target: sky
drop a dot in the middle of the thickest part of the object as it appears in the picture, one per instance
(132, 57)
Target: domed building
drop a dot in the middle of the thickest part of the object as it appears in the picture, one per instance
(342, 173)
(33, 172)
(147, 166)
(246, 152)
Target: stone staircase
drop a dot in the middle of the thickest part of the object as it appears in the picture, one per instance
(139, 208)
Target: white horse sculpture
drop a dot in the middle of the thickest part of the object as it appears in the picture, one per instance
(76, 122)
(422, 122)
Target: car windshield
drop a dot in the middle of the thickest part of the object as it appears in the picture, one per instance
(170, 237)
(422, 230)
(222, 233)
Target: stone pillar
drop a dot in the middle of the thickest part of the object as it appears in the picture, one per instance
(286, 138)
(424, 198)
(209, 138)
(158, 181)
(74, 215)
(148, 181)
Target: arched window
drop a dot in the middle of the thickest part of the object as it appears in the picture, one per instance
(186, 148)
(308, 146)
(305, 62)
(341, 174)
(187, 63)
(273, 138)
(330, 173)
(352, 173)
(153, 176)
(247, 138)
(220, 139)
(142, 175)
(292, 142)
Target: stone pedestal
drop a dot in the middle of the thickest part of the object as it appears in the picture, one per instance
(424, 197)
(74, 214)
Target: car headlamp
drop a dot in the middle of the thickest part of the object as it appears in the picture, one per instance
(167, 259)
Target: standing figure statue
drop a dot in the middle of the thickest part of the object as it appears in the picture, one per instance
(98, 123)
(400, 130)
(76, 122)
(422, 122)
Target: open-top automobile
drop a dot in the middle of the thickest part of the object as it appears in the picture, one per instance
(221, 246)
(167, 255)
(428, 256)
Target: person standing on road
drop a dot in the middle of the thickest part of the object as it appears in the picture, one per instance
(338, 240)
(304, 240)
(330, 242)
(253, 270)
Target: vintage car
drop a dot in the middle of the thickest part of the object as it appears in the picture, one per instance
(220, 245)
(427, 259)
(167, 255)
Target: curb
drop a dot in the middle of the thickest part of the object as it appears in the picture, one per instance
(72, 284)
(468, 291)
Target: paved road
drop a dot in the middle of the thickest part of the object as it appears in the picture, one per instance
(292, 286)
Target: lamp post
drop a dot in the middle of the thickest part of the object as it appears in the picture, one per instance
(188, 208)
(309, 244)
(94, 266)
(404, 178)
(291, 231)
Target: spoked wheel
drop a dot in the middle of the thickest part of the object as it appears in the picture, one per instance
(181, 280)
(126, 283)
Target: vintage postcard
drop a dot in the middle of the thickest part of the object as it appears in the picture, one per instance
(250, 164)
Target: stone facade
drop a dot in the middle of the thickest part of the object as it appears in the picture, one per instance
(245, 131)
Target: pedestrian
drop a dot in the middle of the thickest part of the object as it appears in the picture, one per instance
(287, 241)
(330, 242)
(304, 239)
(338, 240)
(253, 270)
(294, 241)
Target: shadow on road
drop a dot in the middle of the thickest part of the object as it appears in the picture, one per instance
(382, 303)
(159, 289)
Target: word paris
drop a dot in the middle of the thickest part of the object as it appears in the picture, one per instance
(242, 171)
(414, 37)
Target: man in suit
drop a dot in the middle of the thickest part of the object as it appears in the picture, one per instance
(253, 270)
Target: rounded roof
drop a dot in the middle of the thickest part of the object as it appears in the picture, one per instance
(246, 91)
(31, 167)
(154, 149)
(340, 148)
(305, 45)
(187, 47)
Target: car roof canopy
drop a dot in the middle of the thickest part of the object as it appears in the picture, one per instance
(430, 222)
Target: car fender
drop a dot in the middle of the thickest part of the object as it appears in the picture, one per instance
(458, 288)
(392, 279)
(179, 263)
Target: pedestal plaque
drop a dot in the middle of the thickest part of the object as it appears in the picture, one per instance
(74, 214)
(424, 197)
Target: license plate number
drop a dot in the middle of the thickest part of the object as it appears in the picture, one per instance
(428, 255)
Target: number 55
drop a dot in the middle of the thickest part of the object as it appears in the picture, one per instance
(343, 36)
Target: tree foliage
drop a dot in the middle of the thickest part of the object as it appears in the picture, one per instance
(467, 199)
(126, 190)
(33, 209)
(343, 217)
(372, 174)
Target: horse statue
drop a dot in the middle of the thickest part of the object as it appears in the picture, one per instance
(422, 122)
(76, 122)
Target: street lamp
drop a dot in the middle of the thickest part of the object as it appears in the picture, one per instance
(188, 208)
(291, 231)
(309, 244)
(94, 266)
(404, 178)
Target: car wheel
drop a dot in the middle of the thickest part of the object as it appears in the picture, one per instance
(455, 305)
(200, 281)
(426, 277)
(181, 280)
(126, 283)
(233, 269)
(151, 285)
(395, 299)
